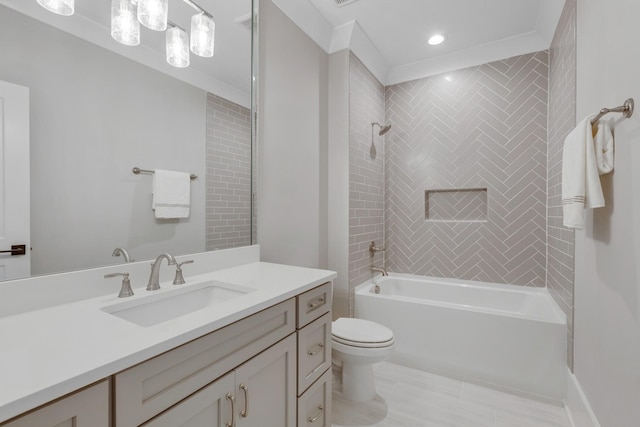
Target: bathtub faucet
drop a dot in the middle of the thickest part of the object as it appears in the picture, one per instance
(380, 270)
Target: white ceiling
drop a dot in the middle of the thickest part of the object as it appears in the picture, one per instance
(227, 74)
(390, 36)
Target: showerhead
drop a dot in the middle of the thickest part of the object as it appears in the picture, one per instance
(383, 128)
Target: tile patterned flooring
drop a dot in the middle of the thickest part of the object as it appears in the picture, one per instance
(412, 398)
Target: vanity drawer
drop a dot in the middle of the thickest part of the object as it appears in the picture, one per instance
(86, 408)
(313, 304)
(314, 351)
(149, 388)
(314, 406)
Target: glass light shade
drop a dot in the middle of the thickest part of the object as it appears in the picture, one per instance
(153, 14)
(125, 27)
(202, 35)
(61, 7)
(177, 47)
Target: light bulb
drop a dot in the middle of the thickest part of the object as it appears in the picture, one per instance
(125, 27)
(177, 47)
(61, 7)
(202, 35)
(153, 14)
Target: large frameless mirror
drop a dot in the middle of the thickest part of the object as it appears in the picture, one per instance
(93, 95)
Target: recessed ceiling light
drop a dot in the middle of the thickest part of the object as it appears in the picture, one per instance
(436, 39)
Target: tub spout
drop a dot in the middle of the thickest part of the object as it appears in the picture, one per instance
(380, 270)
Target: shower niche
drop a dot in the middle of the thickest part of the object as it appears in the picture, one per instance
(456, 205)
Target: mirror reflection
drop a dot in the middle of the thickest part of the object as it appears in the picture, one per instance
(86, 109)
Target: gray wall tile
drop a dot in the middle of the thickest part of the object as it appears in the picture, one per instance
(366, 173)
(562, 118)
(228, 174)
(481, 127)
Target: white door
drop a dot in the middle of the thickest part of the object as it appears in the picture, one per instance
(14, 182)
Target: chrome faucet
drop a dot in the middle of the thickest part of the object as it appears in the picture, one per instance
(380, 270)
(124, 253)
(154, 278)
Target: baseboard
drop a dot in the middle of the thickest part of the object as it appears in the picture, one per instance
(577, 406)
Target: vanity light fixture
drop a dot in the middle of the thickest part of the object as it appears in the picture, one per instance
(61, 7)
(202, 34)
(127, 15)
(177, 46)
(153, 14)
(125, 27)
(436, 39)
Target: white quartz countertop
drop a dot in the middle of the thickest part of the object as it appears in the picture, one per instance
(47, 353)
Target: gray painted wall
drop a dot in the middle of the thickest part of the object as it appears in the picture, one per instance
(292, 189)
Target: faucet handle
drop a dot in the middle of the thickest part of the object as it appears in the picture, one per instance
(179, 279)
(373, 249)
(125, 290)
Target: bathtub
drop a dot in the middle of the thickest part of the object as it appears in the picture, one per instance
(507, 336)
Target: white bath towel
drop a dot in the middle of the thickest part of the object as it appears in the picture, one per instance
(581, 187)
(604, 147)
(171, 194)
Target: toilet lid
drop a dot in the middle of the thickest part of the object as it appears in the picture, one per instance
(361, 333)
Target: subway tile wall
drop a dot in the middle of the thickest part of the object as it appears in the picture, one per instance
(228, 174)
(562, 118)
(366, 173)
(480, 127)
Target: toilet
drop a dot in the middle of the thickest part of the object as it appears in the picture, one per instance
(357, 344)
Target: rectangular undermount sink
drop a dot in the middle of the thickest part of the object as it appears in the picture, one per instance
(155, 309)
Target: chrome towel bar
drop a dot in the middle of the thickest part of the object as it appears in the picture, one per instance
(138, 171)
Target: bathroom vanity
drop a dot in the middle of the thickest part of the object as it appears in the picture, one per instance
(258, 358)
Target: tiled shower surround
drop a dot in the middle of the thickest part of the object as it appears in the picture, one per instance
(562, 118)
(476, 128)
(228, 174)
(366, 173)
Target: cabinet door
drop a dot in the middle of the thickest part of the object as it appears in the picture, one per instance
(86, 408)
(210, 407)
(266, 387)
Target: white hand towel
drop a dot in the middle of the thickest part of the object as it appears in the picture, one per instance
(604, 147)
(171, 194)
(580, 180)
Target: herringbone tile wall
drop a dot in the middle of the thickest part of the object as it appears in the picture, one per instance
(366, 173)
(228, 174)
(481, 127)
(562, 118)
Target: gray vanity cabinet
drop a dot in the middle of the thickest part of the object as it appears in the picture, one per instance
(260, 392)
(85, 408)
(266, 387)
(212, 407)
(270, 369)
(314, 357)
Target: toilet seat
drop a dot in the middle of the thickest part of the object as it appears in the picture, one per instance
(361, 333)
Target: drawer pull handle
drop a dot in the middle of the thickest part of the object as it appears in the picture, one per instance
(315, 349)
(245, 413)
(317, 416)
(313, 305)
(229, 397)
